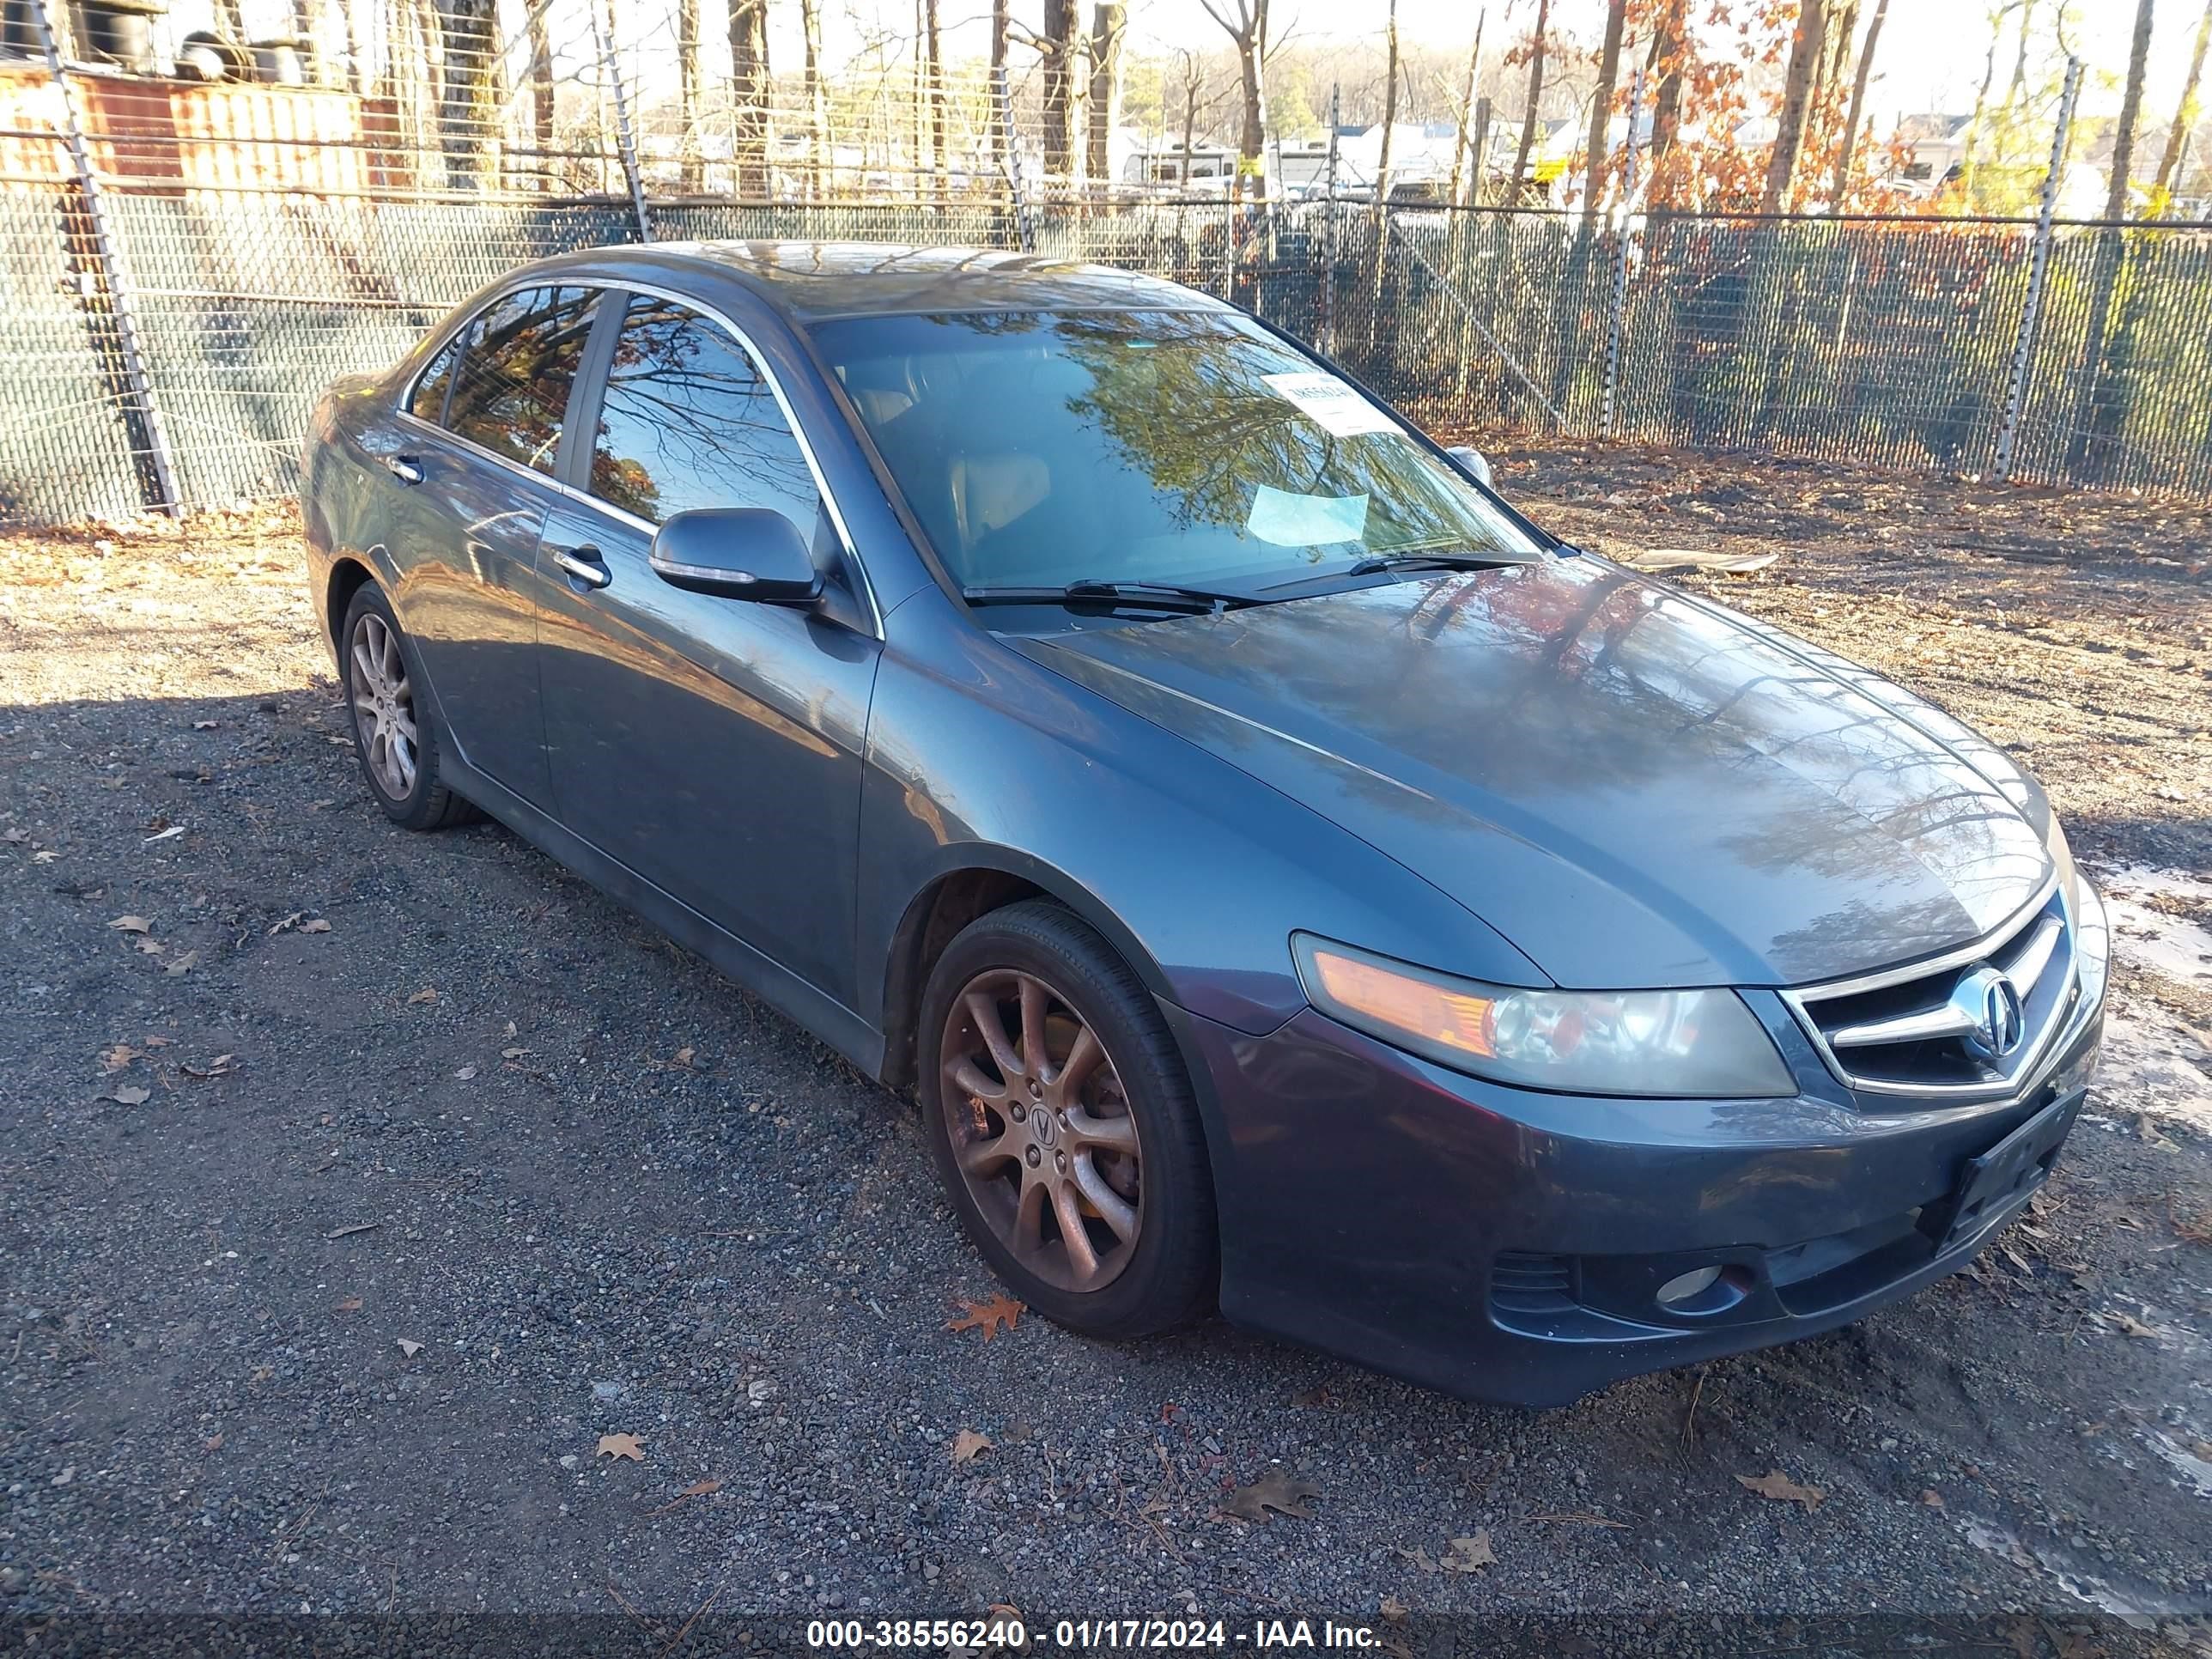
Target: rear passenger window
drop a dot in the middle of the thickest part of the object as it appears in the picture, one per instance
(688, 421)
(428, 403)
(521, 359)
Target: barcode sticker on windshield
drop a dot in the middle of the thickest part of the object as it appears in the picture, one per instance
(1338, 409)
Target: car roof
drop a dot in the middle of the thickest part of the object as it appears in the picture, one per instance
(813, 281)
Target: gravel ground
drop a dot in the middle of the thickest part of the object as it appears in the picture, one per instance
(346, 1207)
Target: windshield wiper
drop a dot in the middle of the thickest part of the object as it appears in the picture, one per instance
(1157, 596)
(1375, 563)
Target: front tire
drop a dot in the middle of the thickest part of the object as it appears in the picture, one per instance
(394, 735)
(1062, 1120)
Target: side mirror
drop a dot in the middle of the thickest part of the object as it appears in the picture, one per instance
(1471, 463)
(738, 553)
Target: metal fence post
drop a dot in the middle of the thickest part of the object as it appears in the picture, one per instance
(624, 139)
(1620, 307)
(1328, 319)
(114, 279)
(1025, 225)
(2031, 310)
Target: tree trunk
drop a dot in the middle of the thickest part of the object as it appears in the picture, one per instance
(1066, 88)
(540, 97)
(1967, 154)
(1252, 141)
(1805, 48)
(1850, 134)
(2123, 137)
(933, 76)
(1528, 117)
(687, 88)
(2097, 416)
(1193, 79)
(1467, 104)
(1001, 139)
(1600, 123)
(2184, 117)
(818, 116)
(1669, 41)
(1109, 22)
(1389, 119)
(748, 95)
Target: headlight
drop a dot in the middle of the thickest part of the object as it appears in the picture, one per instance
(1700, 1044)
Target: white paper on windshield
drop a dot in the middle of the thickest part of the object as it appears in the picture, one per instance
(1336, 408)
(1282, 517)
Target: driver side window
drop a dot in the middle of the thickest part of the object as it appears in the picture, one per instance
(520, 360)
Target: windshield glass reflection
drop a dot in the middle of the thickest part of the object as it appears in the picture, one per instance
(1039, 449)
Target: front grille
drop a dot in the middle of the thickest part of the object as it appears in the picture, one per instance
(1524, 1281)
(1915, 1030)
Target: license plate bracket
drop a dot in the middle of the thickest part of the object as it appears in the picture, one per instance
(1994, 1184)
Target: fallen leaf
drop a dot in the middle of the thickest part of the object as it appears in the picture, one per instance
(409, 1348)
(968, 1444)
(1393, 1610)
(118, 1057)
(2129, 1325)
(152, 947)
(619, 1446)
(1782, 1490)
(1284, 1494)
(351, 1304)
(131, 925)
(219, 1066)
(45, 856)
(358, 1227)
(1932, 1498)
(684, 1057)
(183, 965)
(1419, 1556)
(1469, 1554)
(428, 994)
(465, 1073)
(318, 925)
(157, 1040)
(292, 920)
(512, 1053)
(700, 1488)
(987, 1316)
(205, 726)
(213, 1443)
(131, 1095)
(173, 829)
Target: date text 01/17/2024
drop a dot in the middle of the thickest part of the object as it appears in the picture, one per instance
(1009, 1634)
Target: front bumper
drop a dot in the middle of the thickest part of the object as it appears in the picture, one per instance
(1504, 1244)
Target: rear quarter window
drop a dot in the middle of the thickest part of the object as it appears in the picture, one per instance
(520, 362)
(428, 403)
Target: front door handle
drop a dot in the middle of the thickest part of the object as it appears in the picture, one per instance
(582, 564)
(405, 468)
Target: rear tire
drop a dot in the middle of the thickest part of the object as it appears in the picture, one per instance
(394, 737)
(1062, 1120)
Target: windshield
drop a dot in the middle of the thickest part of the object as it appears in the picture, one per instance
(1179, 448)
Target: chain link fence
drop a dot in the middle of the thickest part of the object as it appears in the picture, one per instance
(195, 237)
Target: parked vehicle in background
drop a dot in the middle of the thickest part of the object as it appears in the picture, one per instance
(1285, 876)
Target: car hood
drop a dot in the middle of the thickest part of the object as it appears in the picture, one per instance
(1633, 786)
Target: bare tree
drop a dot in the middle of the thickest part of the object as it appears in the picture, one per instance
(687, 88)
(1110, 22)
(749, 94)
(2185, 116)
(1857, 109)
(541, 95)
(1065, 45)
(1970, 152)
(1193, 83)
(1389, 119)
(1466, 107)
(932, 89)
(1001, 25)
(1528, 117)
(1245, 23)
(818, 114)
(1804, 46)
(1601, 121)
(1669, 41)
(2123, 137)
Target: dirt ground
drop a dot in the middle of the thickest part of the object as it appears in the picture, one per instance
(355, 1189)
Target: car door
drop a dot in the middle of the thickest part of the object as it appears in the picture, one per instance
(471, 464)
(711, 745)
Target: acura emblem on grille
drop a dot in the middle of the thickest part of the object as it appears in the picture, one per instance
(1990, 1004)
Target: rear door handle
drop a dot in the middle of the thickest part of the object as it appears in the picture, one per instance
(405, 468)
(582, 564)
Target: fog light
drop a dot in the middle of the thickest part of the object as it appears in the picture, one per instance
(1683, 1286)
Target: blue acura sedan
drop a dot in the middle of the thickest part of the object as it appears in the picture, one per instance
(1287, 879)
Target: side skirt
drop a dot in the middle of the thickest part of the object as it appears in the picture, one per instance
(821, 1015)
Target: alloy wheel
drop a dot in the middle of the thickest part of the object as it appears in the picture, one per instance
(1040, 1129)
(384, 707)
